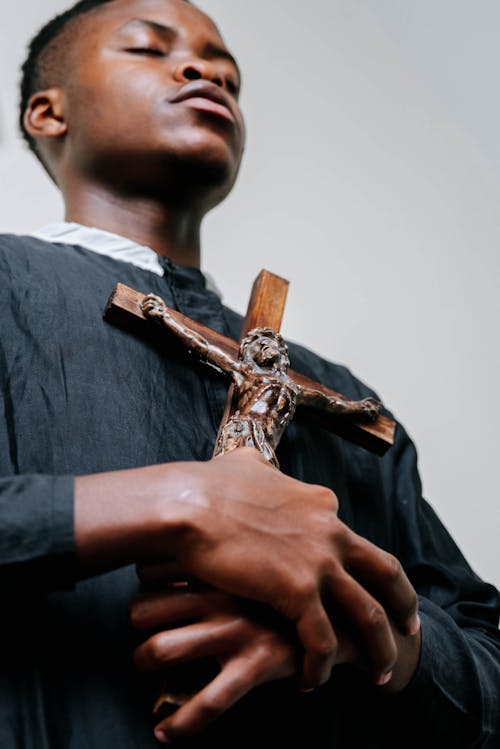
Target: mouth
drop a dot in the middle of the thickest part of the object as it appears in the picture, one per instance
(206, 97)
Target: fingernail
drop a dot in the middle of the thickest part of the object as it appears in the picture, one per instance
(384, 679)
(415, 625)
(307, 691)
(162, 736)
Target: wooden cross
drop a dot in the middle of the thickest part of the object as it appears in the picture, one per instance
(265, 309)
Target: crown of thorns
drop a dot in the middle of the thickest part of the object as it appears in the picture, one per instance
(257, 333)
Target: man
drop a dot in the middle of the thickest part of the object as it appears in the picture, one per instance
(131, 105)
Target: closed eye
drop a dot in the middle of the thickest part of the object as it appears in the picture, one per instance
(146, 51)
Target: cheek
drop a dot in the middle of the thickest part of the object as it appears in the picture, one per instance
(115, 98)
(127, 110)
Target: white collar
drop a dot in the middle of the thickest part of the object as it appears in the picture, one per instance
(112, 245)
(102, 242)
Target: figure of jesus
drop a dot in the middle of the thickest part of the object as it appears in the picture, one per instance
(266, 396)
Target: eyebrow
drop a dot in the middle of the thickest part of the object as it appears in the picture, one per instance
(160, 28)
(213, 50)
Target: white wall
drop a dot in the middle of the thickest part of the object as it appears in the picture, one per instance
(452, 48)
(360, 188)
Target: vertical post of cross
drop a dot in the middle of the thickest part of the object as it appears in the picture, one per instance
(265, 309)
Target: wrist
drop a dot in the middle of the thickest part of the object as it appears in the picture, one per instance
(123, 516)
(179, 504)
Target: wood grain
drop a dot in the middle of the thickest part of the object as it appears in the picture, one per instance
(267, 302)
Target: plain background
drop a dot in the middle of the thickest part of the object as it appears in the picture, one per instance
(371, 181)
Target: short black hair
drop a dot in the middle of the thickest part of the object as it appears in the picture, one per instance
(41, 68)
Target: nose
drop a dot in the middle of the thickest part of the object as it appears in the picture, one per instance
(195, 69)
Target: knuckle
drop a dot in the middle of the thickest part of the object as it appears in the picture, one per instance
(326, 497)
(394, 570)
(254, 667)
(325, 648)
(293, 602)
(157, 650)
(376, 619)
(270, 648)
(138, 614)
(257, 663)
(326, 565)
(332, 525)
(305, 589)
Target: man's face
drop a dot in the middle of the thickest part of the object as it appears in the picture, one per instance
(152, 88)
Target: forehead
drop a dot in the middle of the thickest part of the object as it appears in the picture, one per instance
(263, 339)
(186, 19)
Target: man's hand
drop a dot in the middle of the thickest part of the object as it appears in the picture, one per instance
(250, 648)
(282, 544)
(247, 649)
(241, 526)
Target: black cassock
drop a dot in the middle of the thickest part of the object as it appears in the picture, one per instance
(80, 396)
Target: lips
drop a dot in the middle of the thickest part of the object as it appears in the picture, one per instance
(207, 97)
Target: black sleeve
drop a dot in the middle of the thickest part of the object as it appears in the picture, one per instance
(36, 533)
(36, 510)
(454, 697)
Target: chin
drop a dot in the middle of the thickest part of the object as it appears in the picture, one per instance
(206, 172)
(203, 169)
(217, 149)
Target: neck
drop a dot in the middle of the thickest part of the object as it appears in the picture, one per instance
(171, 231)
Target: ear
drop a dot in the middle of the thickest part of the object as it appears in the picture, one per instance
(44, 116)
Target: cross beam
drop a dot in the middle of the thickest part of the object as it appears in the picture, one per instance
(124, 310)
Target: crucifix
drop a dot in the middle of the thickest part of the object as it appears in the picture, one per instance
(261, 400)
(259, 358)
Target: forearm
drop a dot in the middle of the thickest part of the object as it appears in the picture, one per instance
(124, 516)
(155, 308)
(56, 529)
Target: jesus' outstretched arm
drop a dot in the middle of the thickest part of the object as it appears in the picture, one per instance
(155, 308)
(365, 410)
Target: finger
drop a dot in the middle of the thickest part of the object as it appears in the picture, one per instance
(162, 609)
(369, 621)
(320, 645)
(235, 680)
(165, 649)
(349, 651)
(383, 574)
